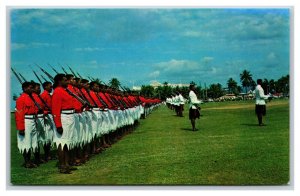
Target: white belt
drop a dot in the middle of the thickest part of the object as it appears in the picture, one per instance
(34, 116)
(68, 111)
(96, 109)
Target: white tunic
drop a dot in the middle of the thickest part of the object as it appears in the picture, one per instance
(193, 100)
(260, 96)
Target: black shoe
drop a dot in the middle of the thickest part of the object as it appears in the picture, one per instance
(73, 168)
(65, 171)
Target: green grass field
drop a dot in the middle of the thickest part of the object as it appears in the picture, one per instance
(228, 149)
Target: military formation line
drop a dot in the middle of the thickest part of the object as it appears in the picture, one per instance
(79, 119)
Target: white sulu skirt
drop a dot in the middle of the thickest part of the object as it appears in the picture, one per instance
(30, 140)
(49, 128)
(67, 137)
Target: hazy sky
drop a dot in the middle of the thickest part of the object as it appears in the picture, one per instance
(141, 45)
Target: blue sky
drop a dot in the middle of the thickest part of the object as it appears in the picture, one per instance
(141, 45)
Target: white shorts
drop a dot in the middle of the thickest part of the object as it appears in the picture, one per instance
(67, 137)
(30, 140)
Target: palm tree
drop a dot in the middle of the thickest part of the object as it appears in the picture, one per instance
(232, 85)
(114, 83)
(265, 85)
(246, 79)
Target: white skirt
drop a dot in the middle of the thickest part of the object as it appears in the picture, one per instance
(49, 128)
(67, 137)
(30, 140)
(77, 131)
(82, 138)
(89, 128)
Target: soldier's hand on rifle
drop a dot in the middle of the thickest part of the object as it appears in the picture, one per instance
(22, 132)
(60, 130)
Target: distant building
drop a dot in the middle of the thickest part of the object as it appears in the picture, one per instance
(136, 88)
(156, 84)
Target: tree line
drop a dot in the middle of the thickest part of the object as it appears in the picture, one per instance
(216, 90)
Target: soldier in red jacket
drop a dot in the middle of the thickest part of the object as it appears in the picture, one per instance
(39, 122)
(63, 115)
(48, 121)
(26, 113)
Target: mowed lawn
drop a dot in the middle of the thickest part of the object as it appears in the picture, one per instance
(228, 149)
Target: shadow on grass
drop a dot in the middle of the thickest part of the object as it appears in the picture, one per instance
(249, 125)
(186, 129)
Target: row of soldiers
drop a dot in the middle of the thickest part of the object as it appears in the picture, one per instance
(176, 102)
(80, 118)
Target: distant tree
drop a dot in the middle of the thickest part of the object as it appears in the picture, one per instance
(265, 86)
(166, 83)
(232, 85)
(215, 91)
(147, 91)
(272, 86)
(246, 79)
(114, 83)
(282, 85)
(192, 82)
(15, 97)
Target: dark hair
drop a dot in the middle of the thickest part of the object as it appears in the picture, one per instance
(93, 83)
(26, 85)
(34, 84)
(57, 79)
(45, 84)
(69, 76)
(77, 79)
(84, 81)
(259, 81)
(192, 86)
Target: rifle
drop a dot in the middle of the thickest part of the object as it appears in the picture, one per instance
(21, 82)
(83, 102)
(79, 75)
(44, 78)
(64, 70)
(45, 72)
(72, 72)
(23, 77)
(101, 100)
(39, 79)
(53, 68)
(44, 103)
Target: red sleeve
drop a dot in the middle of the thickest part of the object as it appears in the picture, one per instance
(56, 108)
(20, 113)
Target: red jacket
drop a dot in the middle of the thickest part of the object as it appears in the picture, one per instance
(47, 98)
(106, 100)
(77, 104)
(96, 100)
(87, 96)
(38, 101)
(24, 105)
(61, 100)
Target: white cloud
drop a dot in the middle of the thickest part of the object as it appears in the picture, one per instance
(207, 59)
(18, 46)
(271, 56)
(154, 74)
(87, 49)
